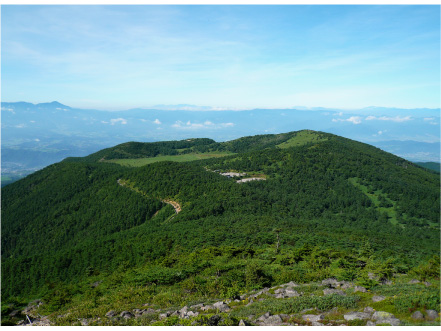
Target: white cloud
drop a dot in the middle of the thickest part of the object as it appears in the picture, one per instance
(113, 121)
(352, 119)
(32, 121)
(397, 119)
(20, 126)
(8, 109)
(156, 121)
(429, 118)
(36, 139)
(104, 122)
(205, 125)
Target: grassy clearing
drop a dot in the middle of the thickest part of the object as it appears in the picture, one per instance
(375, 197)
(174, 158)
(302, 138)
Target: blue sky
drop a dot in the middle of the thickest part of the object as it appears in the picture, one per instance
(119, 57)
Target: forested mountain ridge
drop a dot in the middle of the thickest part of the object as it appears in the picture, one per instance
(325, 201)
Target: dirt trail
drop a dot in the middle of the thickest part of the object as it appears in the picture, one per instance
(172, 203)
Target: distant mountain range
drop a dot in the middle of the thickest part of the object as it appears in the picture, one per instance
(36, 135)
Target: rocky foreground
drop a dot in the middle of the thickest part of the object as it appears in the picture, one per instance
(326, 303)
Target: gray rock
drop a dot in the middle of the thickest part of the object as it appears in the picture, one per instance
(414, 281)
(289, 293)
(379, 315)
(360, 289)
(279, 296)
(356, 315)
(221, 306)
(242, 297)
(330, 282)
(392, 321)
(192, 313)
(273, 320)
(164, 315)
(137, 312)
(279, 290)
(378, 298)
(313, 318)
(243, 323)
(111, 313)
(249, 303)
(198, 306)
(317, 324)
(264, 317)
(345, 285)
(329, 291)
(386, 282)
(427, 283)
(417, 315)
(207, 307)
(370, 323)
(284, 316)
(148, 311)
(84, 321)
(126, 314)
(183, 312)
(368, 309)
(431, 314)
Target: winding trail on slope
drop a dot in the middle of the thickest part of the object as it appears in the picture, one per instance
(174, 204)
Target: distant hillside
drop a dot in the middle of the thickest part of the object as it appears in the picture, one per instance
(435, 166)
(178, 233)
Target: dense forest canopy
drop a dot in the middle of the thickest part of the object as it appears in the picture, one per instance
(323, 198)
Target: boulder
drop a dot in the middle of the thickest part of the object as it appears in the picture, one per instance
(357, 315)
(192, 314)
(369, 310)
(264, 317)
(417, 315)
(360, 289)
(370, 323)
(272, 320)
(331, 282)
(431, 314)
(207, 307)
(126, 314)
(414, 281)
(378, 315)
(221, 306)
(148, 311)
(313, 318)
(164, 315)
(427, 283)
(392, 321)
(183, 312)
(111, 313)
(378, 298)
(243, 323)
(328, 291)
(317, 324)
(345, 285)
(289, 293)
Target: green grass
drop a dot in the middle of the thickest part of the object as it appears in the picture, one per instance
(174, 158)
(302, 138)
(375, 196)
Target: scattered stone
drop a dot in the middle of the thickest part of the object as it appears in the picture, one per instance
(357, 315)
(198, 306)
(370, 323)
(284, 316)
(264, 317)
(392, 321)
(242, 297)
(313, 318)
(96, 283)
(83, 321)
(360, 289)
(427, 283)
(164, 315)
(148, 311)
(207, 307)
(328, 291)
(221, 306)
(331, 282)
(111, 313)
(368, 309)
(243, 323)
(192, 314)
(273, 320)
(289, 293)
(214, 320)
(249, 303)
(137, 312)
(126, 314)
(378, 298)
(417, 315)
(382, 315)
(317, 324)
(414, 281)
(431, 314)
(386, 282)
(183, 312)
(345, 285)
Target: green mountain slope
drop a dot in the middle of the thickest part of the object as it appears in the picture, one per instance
(327, 206)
